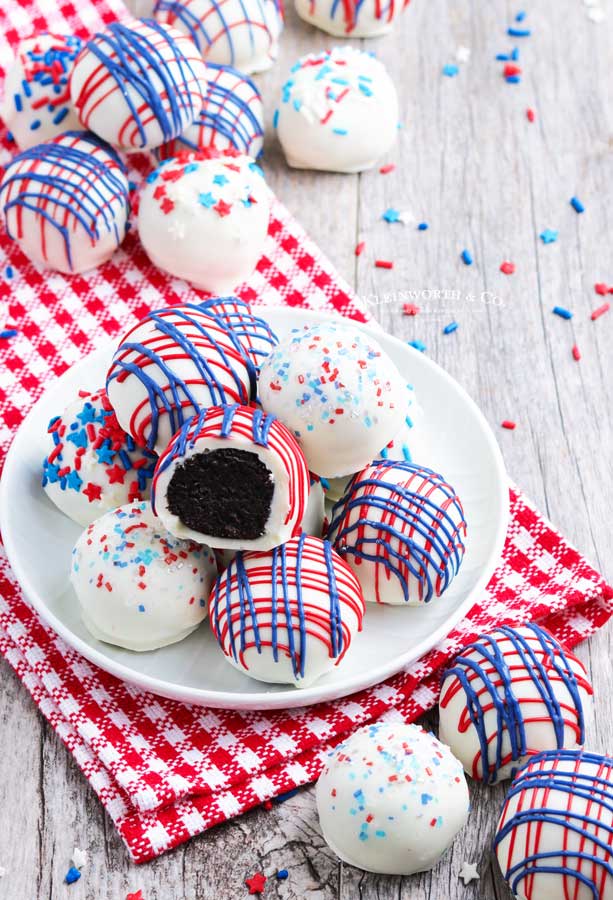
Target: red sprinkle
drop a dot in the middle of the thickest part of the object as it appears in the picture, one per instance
(597, 313)
(384, 264)
(530, 114)
(507, 423)
(601, 288)
(385, 170)
(409, 309)
(360, 248)
(510, 70)
(507, 268)
(576, 353)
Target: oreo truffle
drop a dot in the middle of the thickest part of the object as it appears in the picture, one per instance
(233, 478)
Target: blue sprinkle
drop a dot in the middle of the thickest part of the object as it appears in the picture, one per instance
(577, 205)
(8, 333)
(391, 215)
(141, 607)
(549, 236)
(275, 118)
(466, 258)
(513, 79)
(418, 345)
(72, 875)
(9, 272)
(339, 130)
(449, 329)
(60, 116)
(282, 874)
(519, 32)
(35, 125)
(521, 15)
(423, 226)
(281, 798)
(502, 57)
(451, 70)
(562, 312)
(18, 103)
(515, 54)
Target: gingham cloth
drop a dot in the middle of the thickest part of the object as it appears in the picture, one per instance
(166, 771)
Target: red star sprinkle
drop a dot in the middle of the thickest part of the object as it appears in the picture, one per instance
(510, 70)
(159, 192)
(256, 883)
(93, 492)
(167, 206)
(409, 309)
(116, 474)
(601, 288)
(222, 208)
(507, 268)
(137, 895)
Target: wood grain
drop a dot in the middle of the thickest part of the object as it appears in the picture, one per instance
(470, 164)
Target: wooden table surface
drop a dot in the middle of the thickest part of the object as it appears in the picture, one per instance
(471, 165)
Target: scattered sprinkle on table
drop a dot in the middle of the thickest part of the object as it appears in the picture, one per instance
(469, 872)
(423, 226)
(418, 345)
(9, 272)
(577, 205)
(449, 329)
(597, 313)
(79, 858)
(256, 883)
(596, 14)
(530, 114)
(286, 795)
(462, 54)
(509, 424)
(8, 333)
(385, 170)
(576, 353)
(137, 895)
(72, 875)
(562, 312)
(521, 15)
(518, 32)
(466, 258)
(391, 215)
(549, 236)
(451, 70)
(282, 874)
(359, 249)
(507, 268)
(409, 309)
(601, 288)
(267, 804)
(384, 264)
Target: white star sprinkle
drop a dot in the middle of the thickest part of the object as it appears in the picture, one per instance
(406, 217)
(79, 858)
(176, 229)
(596, 14)
(469, 873)
(462, 54)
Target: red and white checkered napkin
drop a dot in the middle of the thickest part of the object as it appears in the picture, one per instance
(166, 771)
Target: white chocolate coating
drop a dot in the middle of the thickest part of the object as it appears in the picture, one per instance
(168, 367)
(555, 835)
(401, 528)
(137, 585)
(36, 105)
(205, 220)
(391, 799)
(249, 607)
(138, 85)
(240, 33)
(65, 202)
(141, 9)
(338, 112)
(526, 693)
(351, 18)
(339, 393)
(91, 464)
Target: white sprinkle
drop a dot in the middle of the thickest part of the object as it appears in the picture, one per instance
(591, 2)
(596, 14)
(406, 217)
(79, 858)
(468, 872)
(462, 54)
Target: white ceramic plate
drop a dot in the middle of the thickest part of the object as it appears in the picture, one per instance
(39, 540)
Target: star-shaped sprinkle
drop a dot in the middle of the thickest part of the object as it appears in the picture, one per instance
(223, 209)
(93, 492)
(462, 54)
(116, 474)
(105, 454)
(391, 215)
(74, 481)
(52, 473)
(450, 70)
(409, 309)
(549, 236)
(79, 858)
(469, 873)
(87, 414)
(256, 883)
(137, 895)
(206, 199)
(220, 179)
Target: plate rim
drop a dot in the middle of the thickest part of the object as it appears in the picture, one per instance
(261, 700)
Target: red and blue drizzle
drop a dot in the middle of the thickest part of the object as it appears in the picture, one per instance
(253, 332)
(563, 797)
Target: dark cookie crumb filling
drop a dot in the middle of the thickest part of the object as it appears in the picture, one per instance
(226, 493)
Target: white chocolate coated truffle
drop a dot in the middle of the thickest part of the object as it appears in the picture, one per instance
(286, 616)
(401, 528)
(138, 586)
(66, 202)
(510, 694)
(338, 111)
(391, 799)
(138, 85)
(338, 391)
(92, 465)
(232, 477)
(36, 105)
(239, 33)
(168, 367)
(205, 219)
(555, 836)
(232, 116)
(351, 18)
